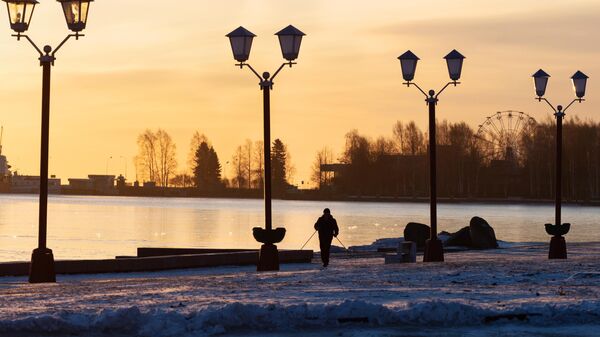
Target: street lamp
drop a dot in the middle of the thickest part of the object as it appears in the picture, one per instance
(19, 14)
(558, 245)
(76, 13)
(434, 251)
(241, 43)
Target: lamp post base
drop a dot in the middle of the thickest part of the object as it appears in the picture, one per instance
(558, 248)
(41, 269)
(434, 251)
(268, 258)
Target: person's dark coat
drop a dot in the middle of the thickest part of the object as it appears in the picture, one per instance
(328, 228)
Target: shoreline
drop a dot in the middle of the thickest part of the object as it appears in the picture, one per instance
(358, 199)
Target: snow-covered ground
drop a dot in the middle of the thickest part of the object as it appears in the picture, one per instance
(515, 291)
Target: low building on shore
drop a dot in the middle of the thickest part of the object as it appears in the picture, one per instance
(31, 184)
(93, 184)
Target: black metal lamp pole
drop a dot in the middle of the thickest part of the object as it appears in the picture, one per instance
(434, 250)
(20, 11)
(241, 43)
(558, 198)
(42, 259)
(267, 190)
(558, 245)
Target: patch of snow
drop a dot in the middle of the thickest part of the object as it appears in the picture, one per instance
(217, 319)
(515, 289)
(379, 243)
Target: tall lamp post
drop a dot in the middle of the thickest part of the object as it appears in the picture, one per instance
(434, 251)
(19, 15)
(241, 42)
(558, 245)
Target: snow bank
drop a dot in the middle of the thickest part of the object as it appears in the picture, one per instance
(379, 243)
(394, 242)
(233, 317)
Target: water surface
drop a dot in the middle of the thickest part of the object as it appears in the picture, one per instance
(103, 227)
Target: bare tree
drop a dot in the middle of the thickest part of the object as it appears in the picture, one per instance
(398, 131)
(409, 138)
(166, 157)
(357, 156)
(145, 161)
(238, 161)
(248, 162)
(442, 130)
(414, 140)
(259, 170)
(319, 177)
(382, 147)
(156, 157)
(290, 168)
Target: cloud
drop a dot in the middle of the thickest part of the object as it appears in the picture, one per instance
(567, 30)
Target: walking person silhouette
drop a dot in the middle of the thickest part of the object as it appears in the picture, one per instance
(327, 228)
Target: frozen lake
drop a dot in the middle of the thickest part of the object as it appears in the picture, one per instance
(103, 227)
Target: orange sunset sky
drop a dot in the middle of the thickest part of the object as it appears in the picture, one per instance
(150, 64)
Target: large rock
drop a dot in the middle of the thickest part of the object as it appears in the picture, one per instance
(482, 234)
(460, 238)
(417, 232)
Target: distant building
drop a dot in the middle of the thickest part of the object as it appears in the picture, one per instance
(4, 167)
(31, 184)
(149, 184)
(399, 175)
(95, 183)
(4, 174)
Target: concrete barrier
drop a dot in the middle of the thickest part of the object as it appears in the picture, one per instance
(153, 251)
(155, 263)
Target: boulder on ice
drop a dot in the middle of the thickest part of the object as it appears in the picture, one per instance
(417, 232)
(482, 234)
(460, 238)
(479, 235)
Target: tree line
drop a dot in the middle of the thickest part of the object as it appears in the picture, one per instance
(397, 166)
(156, 162)
(393, 166)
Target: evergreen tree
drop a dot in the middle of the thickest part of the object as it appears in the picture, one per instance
(278, 166)
(214, 168)
(207, 170)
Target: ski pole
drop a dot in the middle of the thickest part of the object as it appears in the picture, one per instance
(341, 243)
(313, 234)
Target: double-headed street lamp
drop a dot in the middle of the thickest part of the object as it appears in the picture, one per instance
(19, 15)
(241, 42)
(558, 246)
(434, 251)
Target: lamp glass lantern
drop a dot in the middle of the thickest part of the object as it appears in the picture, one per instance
(241, 43)
(20, 13)
(579, 82)
(540, 81)
(454, 60)
(408, 63)
(290, 39)
(76, 13)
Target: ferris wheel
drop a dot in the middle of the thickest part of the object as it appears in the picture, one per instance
(500, 136)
